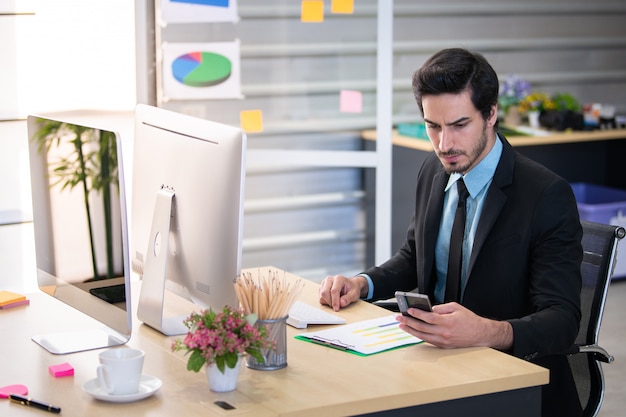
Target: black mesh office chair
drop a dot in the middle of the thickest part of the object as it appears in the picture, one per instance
(599, 247)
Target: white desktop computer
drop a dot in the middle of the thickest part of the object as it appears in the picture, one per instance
(187, 212)
(81, 240)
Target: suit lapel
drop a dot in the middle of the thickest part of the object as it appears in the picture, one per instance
(426, 262)
(495, 200)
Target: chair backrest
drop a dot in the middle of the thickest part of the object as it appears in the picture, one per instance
(599, 244)
(599, 256)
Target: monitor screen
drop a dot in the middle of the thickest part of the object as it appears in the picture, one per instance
(187, 212)
(79, 217)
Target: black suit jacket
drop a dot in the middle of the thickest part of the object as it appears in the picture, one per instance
(525, 262)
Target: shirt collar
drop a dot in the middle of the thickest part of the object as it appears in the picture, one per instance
(481, 174)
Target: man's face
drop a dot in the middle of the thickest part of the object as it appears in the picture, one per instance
(457, 131)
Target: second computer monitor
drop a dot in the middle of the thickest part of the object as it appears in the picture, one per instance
(81, 239)
(187, 211)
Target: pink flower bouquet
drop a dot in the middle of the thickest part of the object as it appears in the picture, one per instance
(221, 338)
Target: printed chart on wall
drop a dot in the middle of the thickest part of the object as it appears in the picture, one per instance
(364, 337)
(201, 71)
(187, 11)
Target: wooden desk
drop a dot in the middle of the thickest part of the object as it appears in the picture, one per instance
(318, 381)
(552, 138)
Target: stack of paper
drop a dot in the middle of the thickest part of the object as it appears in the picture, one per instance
(10, 299)
(363, 337)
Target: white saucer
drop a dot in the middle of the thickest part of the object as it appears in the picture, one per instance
(148, 385)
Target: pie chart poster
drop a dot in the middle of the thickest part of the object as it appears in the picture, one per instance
(197, 71)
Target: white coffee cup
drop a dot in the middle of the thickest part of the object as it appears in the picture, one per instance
(119, 372)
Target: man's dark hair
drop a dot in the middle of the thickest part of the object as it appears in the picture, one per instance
(454, 71)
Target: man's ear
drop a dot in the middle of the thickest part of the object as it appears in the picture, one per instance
(493, 116)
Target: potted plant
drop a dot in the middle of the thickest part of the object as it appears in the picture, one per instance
(512, 91)
(219, 340)
(534, 104)
(565, 115)
(559, 111)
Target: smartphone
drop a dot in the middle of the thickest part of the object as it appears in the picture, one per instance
(407, 300)
(112, 294)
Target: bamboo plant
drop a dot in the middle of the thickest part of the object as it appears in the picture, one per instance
(92, 165)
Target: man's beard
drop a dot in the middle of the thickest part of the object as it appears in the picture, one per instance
(472, 157)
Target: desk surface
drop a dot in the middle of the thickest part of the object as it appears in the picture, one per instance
(549, 139)
(317, 381)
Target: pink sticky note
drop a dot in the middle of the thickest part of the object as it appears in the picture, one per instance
(63, 369)
(15, 304)
(350, 101)
(18, 389)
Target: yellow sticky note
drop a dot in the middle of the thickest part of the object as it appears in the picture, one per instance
(8, 297)
(312, 11)
(342, 6)
(251, 121)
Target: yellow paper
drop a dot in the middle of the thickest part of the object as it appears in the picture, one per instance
(8, 297)
(251, 121)
(312, 11)
(342, 6)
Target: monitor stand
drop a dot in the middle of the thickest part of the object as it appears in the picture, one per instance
(88, 332)
(62, 343)
(151, 299)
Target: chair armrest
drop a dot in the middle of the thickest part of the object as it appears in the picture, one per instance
(598, 353)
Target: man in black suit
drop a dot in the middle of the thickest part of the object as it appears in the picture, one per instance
(520, 282)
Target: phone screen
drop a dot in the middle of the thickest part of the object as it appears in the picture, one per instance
(408, 300)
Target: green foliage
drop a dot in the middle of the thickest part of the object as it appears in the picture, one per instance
(196, 361)
(565, 101)
(92, 165)
(221, 338)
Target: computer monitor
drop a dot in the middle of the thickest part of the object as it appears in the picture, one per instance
(187, 212)
(81, 239)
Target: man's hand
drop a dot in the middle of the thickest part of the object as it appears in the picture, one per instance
(452, 325)
(339, 291)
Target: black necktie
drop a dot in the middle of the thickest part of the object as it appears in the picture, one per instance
(455, 256)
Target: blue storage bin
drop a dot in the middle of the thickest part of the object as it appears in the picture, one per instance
(601, 204)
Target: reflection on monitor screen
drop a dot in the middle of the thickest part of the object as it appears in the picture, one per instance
(187, 212)
(79, 216)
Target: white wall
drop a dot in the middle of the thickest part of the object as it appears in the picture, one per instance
(70, 54)
(54, 56)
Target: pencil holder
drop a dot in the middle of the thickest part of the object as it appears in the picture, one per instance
(275, 358)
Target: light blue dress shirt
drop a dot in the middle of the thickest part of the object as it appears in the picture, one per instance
(477, 182)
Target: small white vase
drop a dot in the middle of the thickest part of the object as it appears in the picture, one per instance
(223, 382)
(533, 119)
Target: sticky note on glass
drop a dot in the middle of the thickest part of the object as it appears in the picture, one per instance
(251, 121)
(342, 6)
(312, 11)
(350, 101)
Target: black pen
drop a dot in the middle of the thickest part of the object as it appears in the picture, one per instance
(29, 402)
(330, 343)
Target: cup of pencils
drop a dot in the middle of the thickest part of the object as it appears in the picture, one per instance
(269, 295)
